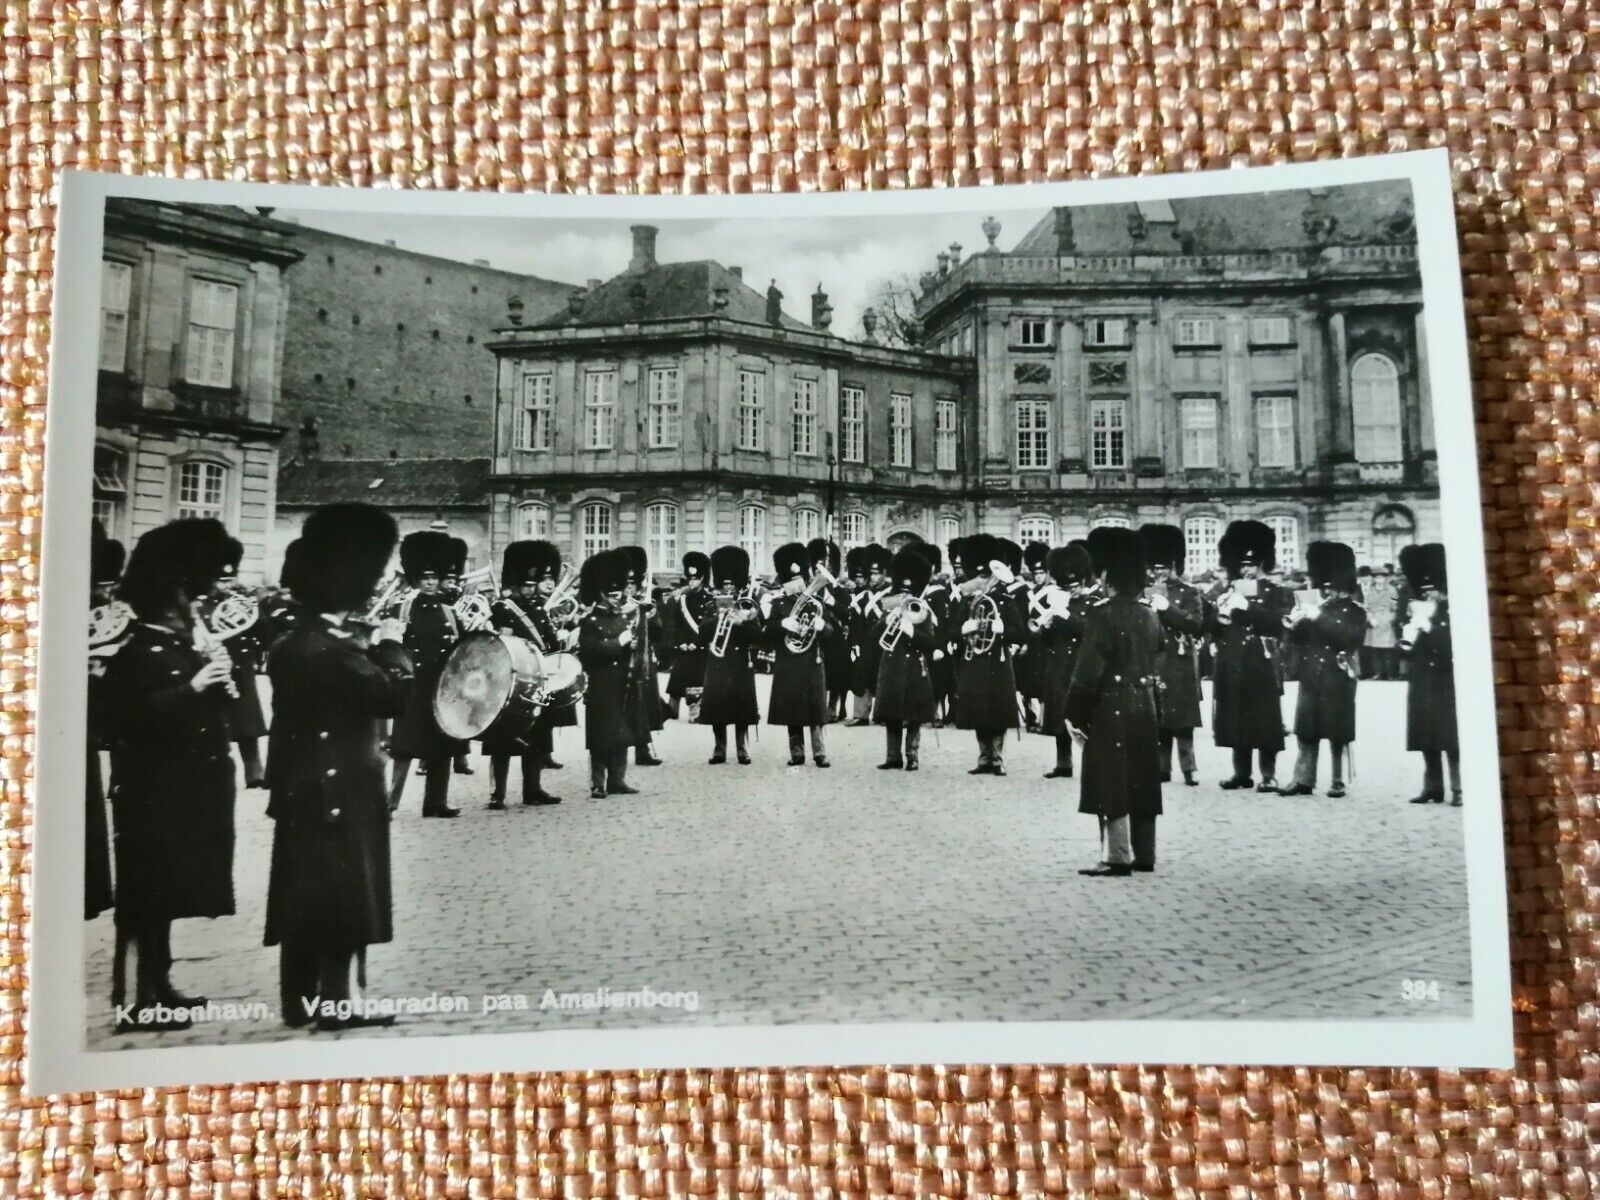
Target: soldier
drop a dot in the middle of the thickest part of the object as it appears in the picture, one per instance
(451, 587)
(1030, 681)
(903, 694)
(431, 632)
(1058, 625)
(172, 779)
(1181, 609)
(614, 720)
(843, 651)
(799, 699)
(953, 641)
(686, 620)
(528, 573)
(865, 621)
(1247, 622)
(334, 681)
(729, 697)
(938, 599)
(1329, 628)
(247, 650)
(836, 655)
(646, 671)
(1425, 639)
(1112, 702)
(989, 624)
(106, 558)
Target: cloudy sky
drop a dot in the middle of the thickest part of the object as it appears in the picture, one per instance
(849, 256)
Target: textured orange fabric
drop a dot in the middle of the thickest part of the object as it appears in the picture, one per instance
(752, 97)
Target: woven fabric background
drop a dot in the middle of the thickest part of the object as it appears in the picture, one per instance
(739, 96)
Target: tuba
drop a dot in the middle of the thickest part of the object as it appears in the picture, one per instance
(806, 610)
(913, 610)
(232, 615)
(108, 622)
(985, 612)
(562, 606)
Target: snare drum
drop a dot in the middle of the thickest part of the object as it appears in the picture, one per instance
(564, 681)
(491, 685)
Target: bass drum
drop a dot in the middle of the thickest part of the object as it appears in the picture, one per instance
(491, 684)
(564, 681)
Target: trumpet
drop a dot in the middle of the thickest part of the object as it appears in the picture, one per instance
(730, 611)
(561, 605)
(913, 610)
(385, 598)
(807, 609)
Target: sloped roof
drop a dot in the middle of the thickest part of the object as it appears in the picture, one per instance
(1237, 224)
(664, 291)
(386, 482)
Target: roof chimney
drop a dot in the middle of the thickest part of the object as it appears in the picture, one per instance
(736, 272)
(774, 304)
(480, 262)
(644, 248)
(1065, 244)
(821, 310)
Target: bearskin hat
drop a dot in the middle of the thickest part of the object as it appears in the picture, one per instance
(230, 564)
(730, 565)
(696, 565)
(1010, 554)
(458, 557)
(106, 556)
(1423, 566)
(855, 565)
(1034, 555)
(911, 569)
(1163, 546)
(1069, 564)
(604, 572)
(638, 562)
(188, 554)
(525, 561)
(1331, 564)
(422, 552)
(1122, 559)
(877, 558)
(791, 559)
(955, 551)
(293, 564)
(824, 553)
(344, 550)
(978, 551)
(1094, 544)
(1247, 542)
(930, 552)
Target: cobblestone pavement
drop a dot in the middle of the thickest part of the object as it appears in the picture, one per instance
(786, 895)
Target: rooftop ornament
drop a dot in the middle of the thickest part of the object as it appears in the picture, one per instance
(991, 230)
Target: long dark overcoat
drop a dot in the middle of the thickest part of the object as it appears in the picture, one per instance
(1029, 667)
(866, 618)
(836, 663)
(432, 630)
(329, 885)
(1328, 669)
(1183, 622)
(688, 623)
(527, 620)
(941, 667)
(1056, 646)
(647, 629)
(98, 894)
(799, 683)
(612, 717)
(1247, 696)
(172, 785)
(903, 694)
(1112, 698)
(248, 651)
(728, 696)
(1431, 687)
(986, 687)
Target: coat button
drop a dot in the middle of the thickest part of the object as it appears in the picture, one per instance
(323, 735)
(332, 771)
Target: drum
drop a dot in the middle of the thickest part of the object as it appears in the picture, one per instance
(490, 684)
(564, 681)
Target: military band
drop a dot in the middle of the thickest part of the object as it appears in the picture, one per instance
(1095, 645)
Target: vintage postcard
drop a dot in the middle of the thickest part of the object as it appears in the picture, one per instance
(490, 632)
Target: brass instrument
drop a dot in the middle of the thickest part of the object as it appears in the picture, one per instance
(807, 608)
(561, 605)
(108, 623)
(1419, 620)
(232, 615)
(985, 612)
(209, 643)
(385, 598)
(911, 611)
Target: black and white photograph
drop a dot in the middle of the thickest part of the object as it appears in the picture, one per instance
(519, 632)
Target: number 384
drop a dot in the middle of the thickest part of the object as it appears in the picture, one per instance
(1419, 989)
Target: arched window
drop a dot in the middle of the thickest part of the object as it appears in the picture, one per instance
(1287, 529)
(807, 524)
(948, 529)
(852, 530)
(1392, 528)
(110, 488)
(594, 528)
(202, 489)
(1036, 529)
(753, 535)
(1200, 537)
(532, 521)
(661, 535)
(1109, 521)
(1375, 409)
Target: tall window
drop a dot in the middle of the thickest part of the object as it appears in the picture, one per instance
(1036, 529)
(805, 416)
(947, 529)
(1287, 529)
(661, 534)
(1033, 435)
(116, 291)
(753, 534)
(752, 410)
(1271, 331)
(666, 408)
(1200, 537)
(1375, 409)
(594, 527)
(852, 530)
(533, 429)
(807, 524)
(852, 425)
(1275, 431)
(1033, 331)
(533, 521)
(1196, 331)
(202, 489)
(208, 354)
(944, 435)
(1198, 417)
(1392, 528)
(1105, 331)
(1108, 434)
(966, 339)
(899, 431)
(599, 409)
(110, 488)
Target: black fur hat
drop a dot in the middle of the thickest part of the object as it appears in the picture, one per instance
(343, 552)
(978, 551)
(911, 569)
(791, 559)
(106, 556)
(855, 565)
(1095, 543)
(638, 562)
(188, 555)
(1247, 542)
(955, 551)
(1163, 546)
(1424, 566)
(877, 558)
(930, 552)
(1069, 564)
(230, 564)
(527, 561)
(730, 565)
(1331, 564)
(1034, 555)
(422, 552)
(604, 572)
(825, 553)
(1122, 559)
(294, 555)
(1010, 554)
(696, 565)
(458, 557)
